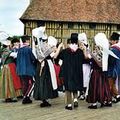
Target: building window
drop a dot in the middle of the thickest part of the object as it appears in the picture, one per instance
(70, 25)
(118, 27)
(92, 26)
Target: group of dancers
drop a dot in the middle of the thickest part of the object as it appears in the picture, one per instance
(46, 67)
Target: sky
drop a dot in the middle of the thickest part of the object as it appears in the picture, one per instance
(10, 12)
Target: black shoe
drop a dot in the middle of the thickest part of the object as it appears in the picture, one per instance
(10, 100)
(118, 99)
(75, 104)
(20, 97)
(14, 100)
(114, 101)
(81, 97)
(68, 108)
(92, 107)
(26, 100)
(108, 104)
(45, 104)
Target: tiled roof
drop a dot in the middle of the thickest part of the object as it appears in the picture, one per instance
(100, 11)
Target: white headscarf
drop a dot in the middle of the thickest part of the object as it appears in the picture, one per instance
(3, 38)
(102, 41)
(39, 32)
(52, 41)
(82, 38)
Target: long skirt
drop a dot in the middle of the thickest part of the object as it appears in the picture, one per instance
(16, 80)
(59, 80)
(86, 74)
(99, 90)
(43, 86)
(10, 86)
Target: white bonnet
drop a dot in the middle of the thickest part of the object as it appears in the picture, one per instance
(82, 38)
(3, 38)
(39, 32)
(52, 41)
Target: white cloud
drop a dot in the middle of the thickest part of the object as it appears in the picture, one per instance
(10, 12)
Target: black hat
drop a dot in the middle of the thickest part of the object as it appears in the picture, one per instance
(114, 36)
(74, 38)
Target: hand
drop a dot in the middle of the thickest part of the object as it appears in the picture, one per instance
(13, 54)
(61, 45)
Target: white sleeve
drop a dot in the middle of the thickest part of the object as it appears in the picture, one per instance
(13, 54)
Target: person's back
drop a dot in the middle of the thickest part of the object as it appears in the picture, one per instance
(26, 68)
(114, 66)
(25, 61)
(116, 51)
(72, 71)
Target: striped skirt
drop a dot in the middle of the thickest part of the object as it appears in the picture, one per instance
(10, 86)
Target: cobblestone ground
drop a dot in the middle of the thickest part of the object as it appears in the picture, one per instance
(17, 111)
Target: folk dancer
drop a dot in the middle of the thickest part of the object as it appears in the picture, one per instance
(46, 83)
(72, 73)
(26, 65)
(99, 89)
(83, 44)
(114, 67)
(10, 86)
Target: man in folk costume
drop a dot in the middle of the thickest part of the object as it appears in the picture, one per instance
(72, 73)
(15, 44)
(99, 89)
(114, 67)
(26, 65)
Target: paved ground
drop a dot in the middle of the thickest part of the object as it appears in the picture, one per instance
(17, 111)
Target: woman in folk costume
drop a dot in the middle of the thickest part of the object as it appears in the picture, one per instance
(58, 68)
(10, 86)
(16, 80)
(46, 83)
(114, 67)
(99, 89)
(72, 73)
(86, 66)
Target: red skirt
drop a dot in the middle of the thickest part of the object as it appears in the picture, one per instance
(57, 71)
(99, 90)
(15, 77)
